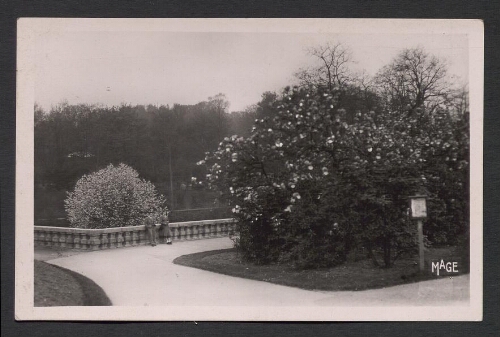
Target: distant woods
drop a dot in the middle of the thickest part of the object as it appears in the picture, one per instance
(162, 143)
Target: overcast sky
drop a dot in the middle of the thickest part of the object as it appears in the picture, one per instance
(165, 67)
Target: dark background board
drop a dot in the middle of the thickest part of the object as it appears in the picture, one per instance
(485, 10)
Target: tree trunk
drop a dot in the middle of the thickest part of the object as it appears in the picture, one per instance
(387, 252)
(371, 255)
(172, 204)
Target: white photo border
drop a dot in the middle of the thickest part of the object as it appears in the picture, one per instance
(29, 29)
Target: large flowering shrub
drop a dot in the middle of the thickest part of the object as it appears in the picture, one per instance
(314, 180)
(113, 197)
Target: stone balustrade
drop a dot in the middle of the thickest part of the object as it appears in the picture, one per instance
(97, 239)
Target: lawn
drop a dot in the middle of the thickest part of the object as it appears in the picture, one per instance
(359, 275)
(56, 286)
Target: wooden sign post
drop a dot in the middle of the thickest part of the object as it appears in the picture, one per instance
(418, 209)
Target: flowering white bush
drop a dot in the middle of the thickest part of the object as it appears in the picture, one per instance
(312, 180)
(113, 197)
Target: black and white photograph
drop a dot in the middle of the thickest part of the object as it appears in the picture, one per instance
(249, 170)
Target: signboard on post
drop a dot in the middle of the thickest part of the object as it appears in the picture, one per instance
(418, 207)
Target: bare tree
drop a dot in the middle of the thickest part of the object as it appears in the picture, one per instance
(219, 105)
(460, 100)
(414, 80)
(331, 69)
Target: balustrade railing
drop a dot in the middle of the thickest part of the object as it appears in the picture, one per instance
(97, 239)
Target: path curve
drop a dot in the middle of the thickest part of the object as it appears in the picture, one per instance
(146, 276)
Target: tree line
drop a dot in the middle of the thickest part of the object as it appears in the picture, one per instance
(162, 143)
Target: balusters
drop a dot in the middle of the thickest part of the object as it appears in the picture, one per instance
(127, 239)
(48, 239)
(112, 240)
(218, 229)
(176, 234)
(62, 240)
(95, 242)
(41, 238)
(134, 237)
(55, 239)
(76, 241)
(198, 231)
(142, 237)
(83, 240)
(70, 240)
(119, 240)
(104, 241)
(183, 233)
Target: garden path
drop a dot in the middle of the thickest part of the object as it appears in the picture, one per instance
(146, 276)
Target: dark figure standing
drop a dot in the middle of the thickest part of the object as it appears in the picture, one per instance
(165, 231)
(151, 229)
